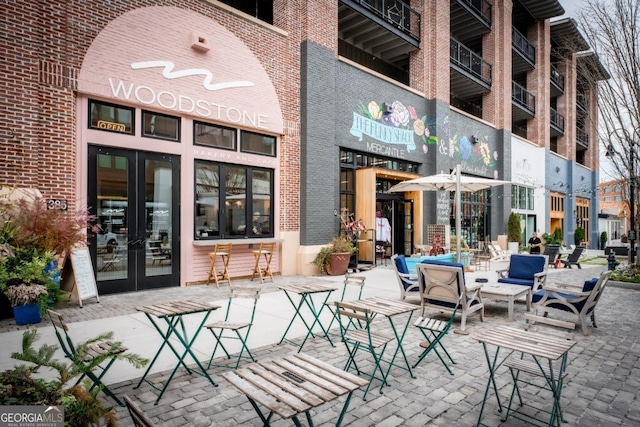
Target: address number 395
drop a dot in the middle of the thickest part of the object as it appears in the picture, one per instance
(57, 204)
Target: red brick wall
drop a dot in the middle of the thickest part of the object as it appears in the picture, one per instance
(43, 47)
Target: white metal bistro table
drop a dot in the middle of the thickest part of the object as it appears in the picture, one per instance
(293, 385)
(537, 354)
(506, 292)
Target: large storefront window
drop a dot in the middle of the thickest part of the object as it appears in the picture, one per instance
(232, 201)
(475, 227)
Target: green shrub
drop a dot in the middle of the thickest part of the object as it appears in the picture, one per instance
(579, 235)
(514, 233)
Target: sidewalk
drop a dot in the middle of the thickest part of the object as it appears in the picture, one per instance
(601, 389)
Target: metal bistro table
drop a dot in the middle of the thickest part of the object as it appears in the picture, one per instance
(391, 308)
(292, 385)
(543, 349)
(306, 291)
(173, 313)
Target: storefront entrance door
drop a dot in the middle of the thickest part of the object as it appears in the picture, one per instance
(134, 195)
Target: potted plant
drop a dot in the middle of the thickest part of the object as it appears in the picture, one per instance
(31, 233)
(514, 233)
(333, 258)
(579, 236)
(603, 240)
(26, 282)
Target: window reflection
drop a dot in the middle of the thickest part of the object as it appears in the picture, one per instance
(239, 206)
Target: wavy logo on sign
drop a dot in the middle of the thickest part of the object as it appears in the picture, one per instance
(168, 73)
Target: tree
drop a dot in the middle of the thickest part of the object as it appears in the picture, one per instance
(612, 30)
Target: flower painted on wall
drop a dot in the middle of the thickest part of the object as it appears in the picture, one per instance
(478, 154)
(398, 116)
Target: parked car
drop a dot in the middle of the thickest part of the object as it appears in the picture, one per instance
(106, 238)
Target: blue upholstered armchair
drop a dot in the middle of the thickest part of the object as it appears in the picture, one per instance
(407, 281)
(525, 270)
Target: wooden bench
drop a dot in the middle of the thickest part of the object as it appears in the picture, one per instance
(293, 385)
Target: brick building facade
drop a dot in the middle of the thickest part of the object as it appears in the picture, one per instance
(178, 121)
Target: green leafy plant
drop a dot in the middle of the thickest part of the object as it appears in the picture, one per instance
(579, 235)
(337, 245)
(629, 274)
(18, 386)
(24, 278)
(553, 239)
(514, 233)
(603, 239)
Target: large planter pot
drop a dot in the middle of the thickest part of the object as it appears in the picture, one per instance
(27, 314)
(338, 263)
(513, 247)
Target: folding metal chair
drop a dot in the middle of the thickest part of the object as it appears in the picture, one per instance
(139, 418)
(265, 251)
(91, 354)
(355, 329)
(240, 329)
(222, 250)
(433, 331)
(350, 281)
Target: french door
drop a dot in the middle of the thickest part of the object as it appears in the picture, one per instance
(135, 197)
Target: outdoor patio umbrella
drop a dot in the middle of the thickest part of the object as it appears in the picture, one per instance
(448, 182)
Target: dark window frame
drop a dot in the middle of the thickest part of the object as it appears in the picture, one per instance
(163, 138)
(214, 125)
(244, 150)
(132, 110)
(222, 202)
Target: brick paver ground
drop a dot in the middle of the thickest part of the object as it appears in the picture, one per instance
(601, 388)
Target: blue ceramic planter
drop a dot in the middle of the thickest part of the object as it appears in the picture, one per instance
(27, 314)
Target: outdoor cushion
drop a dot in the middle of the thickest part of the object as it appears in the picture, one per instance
(525, 266)
(512, 281)
(401, 264)
(589, 284)
(536, 296)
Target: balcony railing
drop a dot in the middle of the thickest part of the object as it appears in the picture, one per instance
(470, 61)
(582, 103)
(522, 45)
(523, 98)
(395, 12)
(582, 137)
(557, 77)
(481, 7)
(557, 120)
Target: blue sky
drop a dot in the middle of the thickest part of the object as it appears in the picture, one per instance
(571, 7)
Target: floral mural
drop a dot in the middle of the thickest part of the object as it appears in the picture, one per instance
(393, 124)
(474, 157)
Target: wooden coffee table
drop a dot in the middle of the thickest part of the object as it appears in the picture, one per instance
(506, 292)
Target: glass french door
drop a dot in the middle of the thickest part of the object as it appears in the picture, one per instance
(134, 195)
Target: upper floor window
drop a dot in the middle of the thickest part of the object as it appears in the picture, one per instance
(256, 143)
(111, 117)
(261, 9)
(521, 197)
(606, 189)
(160, 126)
(618, 198)
(214, 136)
(617, 188)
